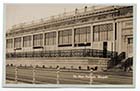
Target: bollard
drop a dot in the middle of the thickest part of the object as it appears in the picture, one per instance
(16, 71)
(91, 74)
(58, 71)
(33, 75)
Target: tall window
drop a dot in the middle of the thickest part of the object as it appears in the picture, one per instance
(110, 31)
(65, 37)
(17, 42)
(96, 33)
(103, 32)
(27, 41)
(130, 45)
(130, 40)
(38, 40)
(50, 38)
(9, 43)
(82, 35)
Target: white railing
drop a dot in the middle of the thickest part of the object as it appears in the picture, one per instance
(33, 74)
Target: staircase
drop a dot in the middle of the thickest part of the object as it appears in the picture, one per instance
(122, 63)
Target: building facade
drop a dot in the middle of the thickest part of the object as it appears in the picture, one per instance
(95, 35)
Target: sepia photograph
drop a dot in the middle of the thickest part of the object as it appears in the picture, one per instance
(69, 45)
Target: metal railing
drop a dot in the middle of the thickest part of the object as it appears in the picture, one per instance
(64, 53)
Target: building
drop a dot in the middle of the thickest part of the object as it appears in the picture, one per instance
(92, 37)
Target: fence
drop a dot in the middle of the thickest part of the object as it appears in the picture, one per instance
(33, 75)
(65, 53)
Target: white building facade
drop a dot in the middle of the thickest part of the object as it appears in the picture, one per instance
(90, 32)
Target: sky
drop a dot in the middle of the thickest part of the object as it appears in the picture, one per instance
(19, 13)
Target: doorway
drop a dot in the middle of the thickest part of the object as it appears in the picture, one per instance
(104, 49)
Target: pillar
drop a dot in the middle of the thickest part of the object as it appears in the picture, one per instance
(22, 42)
(13, 43)
(43, 42)
(119, 37)
(114, 41)
(73, 37)
(91, 35)
(57, 39)
(32, 40)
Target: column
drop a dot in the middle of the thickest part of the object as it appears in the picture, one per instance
(43, 40)
(32, 40)
(114, 42)
(13, 43)
(57, 38)
(118, 42)
(32, 45)
(22, 42)
(91, 35)
(126, 46)
(73, 37)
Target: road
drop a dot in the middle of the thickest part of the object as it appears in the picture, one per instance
(52, 76)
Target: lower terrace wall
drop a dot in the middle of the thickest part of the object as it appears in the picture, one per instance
(67, 62)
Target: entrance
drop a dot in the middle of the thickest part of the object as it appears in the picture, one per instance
(104, 49)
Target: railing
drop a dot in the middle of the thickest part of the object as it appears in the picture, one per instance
(64, 53)
(38, 75)
(64, 15)
(35, 75)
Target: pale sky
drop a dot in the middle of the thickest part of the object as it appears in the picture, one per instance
(19, 13)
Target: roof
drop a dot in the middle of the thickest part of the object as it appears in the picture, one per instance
(62, 16)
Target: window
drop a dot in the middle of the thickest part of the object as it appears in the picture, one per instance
(82, 35)
(17, 42)
(103, 32)
(110, 31)
(38, 40)
(65, 37)
(130, 40)
(96, 33)
(50, 38)
(9, 43)
(27, 41)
